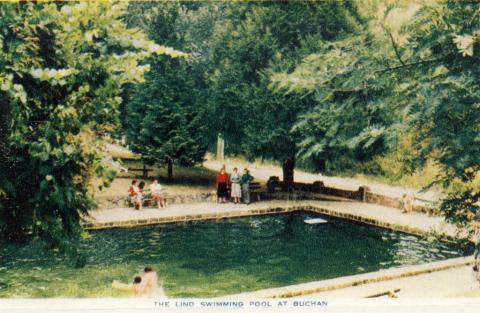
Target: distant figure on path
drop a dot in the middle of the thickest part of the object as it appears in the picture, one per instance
(157, 194)
(135, 194)
(245, 182)
(222, 181)
(407, 203)
(236, 188)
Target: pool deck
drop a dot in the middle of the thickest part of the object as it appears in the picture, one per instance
(450, 278)
(373, 214)
(455, 282)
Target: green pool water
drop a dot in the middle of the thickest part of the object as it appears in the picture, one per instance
(207, 258)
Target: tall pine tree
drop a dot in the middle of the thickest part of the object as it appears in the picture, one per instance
(164, 122)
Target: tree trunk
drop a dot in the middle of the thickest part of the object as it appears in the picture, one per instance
(170, 170)
(288, 172)
(220, 148)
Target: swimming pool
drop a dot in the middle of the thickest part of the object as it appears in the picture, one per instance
(214, 258)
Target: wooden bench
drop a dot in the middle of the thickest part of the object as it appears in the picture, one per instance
(254, 189)
(146, 199)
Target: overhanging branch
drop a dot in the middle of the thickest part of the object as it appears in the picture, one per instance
(405, 65)
(395, 48)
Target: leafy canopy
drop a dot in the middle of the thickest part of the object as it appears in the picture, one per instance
(63, 66)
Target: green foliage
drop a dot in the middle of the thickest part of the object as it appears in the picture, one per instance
(252, 40)
(62, 70)
(463, 209)
(354, 119)
(445, 92)
(338, 84)
(164, 121)
(412, 71)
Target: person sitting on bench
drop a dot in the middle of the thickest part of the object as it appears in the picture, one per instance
(157, 194)
(135, 194)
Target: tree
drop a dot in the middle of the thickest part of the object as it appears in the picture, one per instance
(445, 98)
(353, 119)
(252, 40)
(417, 65)
(62, 71)
(164, 120)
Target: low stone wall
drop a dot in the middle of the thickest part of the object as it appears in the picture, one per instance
(319, 187)
(305, 191)
(111, 202)
(299, 191)
(396, 203)
(382, 200)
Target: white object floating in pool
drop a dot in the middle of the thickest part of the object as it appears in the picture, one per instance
(315, 221)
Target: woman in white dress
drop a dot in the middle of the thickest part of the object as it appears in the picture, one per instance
(156, 191)
(236, 192)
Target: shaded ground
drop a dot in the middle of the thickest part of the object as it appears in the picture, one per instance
(263, 172)
(191, 180)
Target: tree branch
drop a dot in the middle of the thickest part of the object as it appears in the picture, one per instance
(395, 48)
(408, 65)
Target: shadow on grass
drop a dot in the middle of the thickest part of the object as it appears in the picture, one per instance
(191, 176)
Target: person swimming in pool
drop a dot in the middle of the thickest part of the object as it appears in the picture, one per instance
(137, 286)
(145, 285)
(150, 281)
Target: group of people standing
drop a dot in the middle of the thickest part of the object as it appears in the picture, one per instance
(135, 193)
(239, 186)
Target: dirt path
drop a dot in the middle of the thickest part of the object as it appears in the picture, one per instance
(263, 172)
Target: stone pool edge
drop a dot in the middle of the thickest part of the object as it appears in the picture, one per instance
(310, 287)
(355, 280)
(179, 218)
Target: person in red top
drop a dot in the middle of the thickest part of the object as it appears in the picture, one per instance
(222, 181)
(135, 194)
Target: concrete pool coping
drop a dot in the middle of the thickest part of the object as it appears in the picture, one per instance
(355, 280)
(364, 213)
